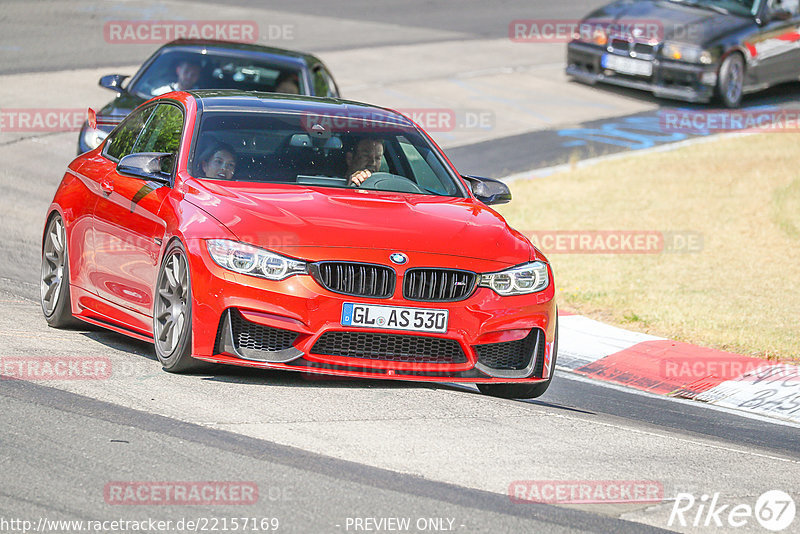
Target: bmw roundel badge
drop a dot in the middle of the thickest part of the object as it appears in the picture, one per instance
(399, 258)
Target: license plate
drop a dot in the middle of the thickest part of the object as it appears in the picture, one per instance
(396, 318)
(626, 65)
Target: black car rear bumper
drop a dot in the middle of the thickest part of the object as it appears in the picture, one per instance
(670, 79)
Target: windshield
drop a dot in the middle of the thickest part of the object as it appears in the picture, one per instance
(182, 71)
(737, 7)
(318, 150)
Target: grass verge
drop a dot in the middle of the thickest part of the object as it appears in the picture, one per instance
(738, 291)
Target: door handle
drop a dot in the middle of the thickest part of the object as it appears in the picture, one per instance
(107, 187)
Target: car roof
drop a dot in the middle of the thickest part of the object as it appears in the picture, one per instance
(210, 100)
(244, 49)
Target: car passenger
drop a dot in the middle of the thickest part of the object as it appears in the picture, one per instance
(187, 72)
(363, 158)
(287, 83)
(218, 162)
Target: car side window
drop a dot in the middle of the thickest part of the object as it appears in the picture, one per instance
(120, 142)
(162, 132)
(323, 83)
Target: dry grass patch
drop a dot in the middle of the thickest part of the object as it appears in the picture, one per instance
(741, 292)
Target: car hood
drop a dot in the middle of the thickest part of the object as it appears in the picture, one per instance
(290, 218)
(679, 22)
(122, 105)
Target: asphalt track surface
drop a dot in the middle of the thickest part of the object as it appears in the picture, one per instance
(596, 138)
(306, 492)
(320, 25)
(323, 451)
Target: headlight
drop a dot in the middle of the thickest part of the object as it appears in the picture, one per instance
(528, 278)
(684, 52)
(92, 138)
(591, 33)
(247, 259)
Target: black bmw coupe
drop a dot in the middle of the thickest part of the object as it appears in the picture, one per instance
(692, 50)
(206, 64)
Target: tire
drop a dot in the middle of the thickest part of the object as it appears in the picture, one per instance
(172, 312)
(54, 280)
(731, 81)
(523, 391)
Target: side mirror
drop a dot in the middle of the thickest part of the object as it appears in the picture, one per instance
(488, 190)
(155, 166)
(113, 82)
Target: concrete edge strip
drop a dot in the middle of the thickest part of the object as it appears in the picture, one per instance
(677, 369)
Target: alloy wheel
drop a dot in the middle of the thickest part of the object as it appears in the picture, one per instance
(735, 81)
(54, 257)
(172, 303)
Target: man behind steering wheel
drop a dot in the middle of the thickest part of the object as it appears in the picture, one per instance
(363, 158)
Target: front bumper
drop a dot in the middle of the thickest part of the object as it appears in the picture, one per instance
(288, 320)
(670, 79)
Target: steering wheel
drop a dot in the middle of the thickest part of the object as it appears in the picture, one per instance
(385, 181)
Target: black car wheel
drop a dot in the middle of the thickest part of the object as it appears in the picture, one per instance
(731, 81)
(172, 312)
(54, 283)
(523, 391)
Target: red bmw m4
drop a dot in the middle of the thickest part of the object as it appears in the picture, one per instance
(298, 233)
